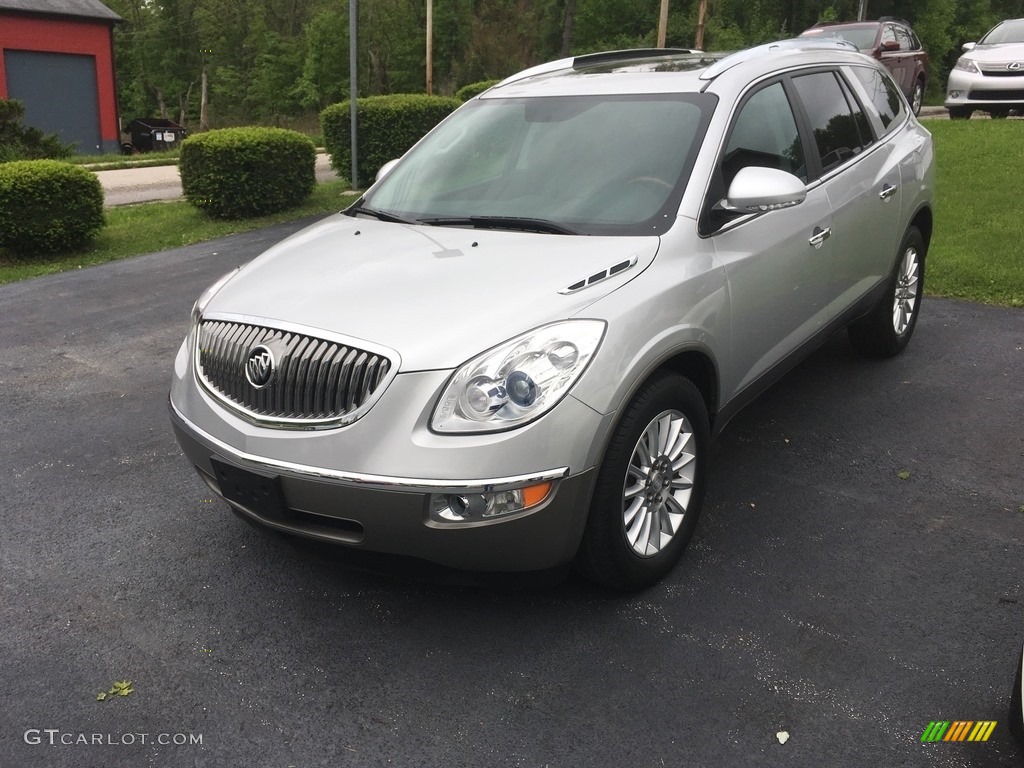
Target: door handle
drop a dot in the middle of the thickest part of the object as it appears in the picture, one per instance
(820, 236)
(887, 192)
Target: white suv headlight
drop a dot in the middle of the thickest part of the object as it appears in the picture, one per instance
(967, 65)
(516, 382)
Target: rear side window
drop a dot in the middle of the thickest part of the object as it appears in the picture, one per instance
(884, 97)
(835, 117)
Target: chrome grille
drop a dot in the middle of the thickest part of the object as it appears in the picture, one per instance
(315, 381)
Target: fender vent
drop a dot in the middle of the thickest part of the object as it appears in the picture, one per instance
(597, 277)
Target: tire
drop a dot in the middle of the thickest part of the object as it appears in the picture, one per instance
(645, 508)
(1016, 708)
(887, 329)
(998, 114)
(960, 113)
(917, 97)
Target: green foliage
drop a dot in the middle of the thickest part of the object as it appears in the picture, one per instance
(47, 207)
(467, 92)
(386, 126)
(18, 142)
(239, 173)
(119, 688)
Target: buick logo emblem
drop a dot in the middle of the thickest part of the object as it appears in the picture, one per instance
(259, 368)
(1013, 66)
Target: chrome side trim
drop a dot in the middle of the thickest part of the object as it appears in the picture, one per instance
(362, 480)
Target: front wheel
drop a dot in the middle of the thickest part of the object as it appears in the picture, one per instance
(960, 113)
(650, 486)
(887, 329)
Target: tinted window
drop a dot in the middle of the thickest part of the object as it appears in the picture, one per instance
(903, 36)
(836, 132)
(765, 135)
(883, 95)
(888, 35)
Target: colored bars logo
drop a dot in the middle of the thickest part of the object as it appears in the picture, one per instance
(958, 730)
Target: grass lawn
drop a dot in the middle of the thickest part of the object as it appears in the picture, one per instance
(136, 229)
(977, 249)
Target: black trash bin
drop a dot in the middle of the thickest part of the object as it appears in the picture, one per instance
(153, 134)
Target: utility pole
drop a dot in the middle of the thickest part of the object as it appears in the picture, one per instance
(353, 87)
(862, 12)
(662, 23)
(702, 12)
(430, 47)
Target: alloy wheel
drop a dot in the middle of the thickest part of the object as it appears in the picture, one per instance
(659, 483)
(905, 299)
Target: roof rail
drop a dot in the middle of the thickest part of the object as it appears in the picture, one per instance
(540, 69)
(794, 44)
(588, 59)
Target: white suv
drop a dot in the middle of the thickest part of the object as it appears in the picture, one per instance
(513, 351)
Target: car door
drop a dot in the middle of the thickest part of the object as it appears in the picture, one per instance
(777, 262)
(894, 59)
(861, 179)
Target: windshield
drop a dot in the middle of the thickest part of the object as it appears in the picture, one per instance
(1005, 32)
(585, 164)
(862, 37)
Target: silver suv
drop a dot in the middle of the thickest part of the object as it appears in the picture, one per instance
(514, 350)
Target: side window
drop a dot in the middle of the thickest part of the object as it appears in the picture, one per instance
(836, 131)
(884, 97)
(888, 35)
(903, 36)
(765, 135)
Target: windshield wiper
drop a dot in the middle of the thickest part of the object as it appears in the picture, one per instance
(513, 223)
(379, 215)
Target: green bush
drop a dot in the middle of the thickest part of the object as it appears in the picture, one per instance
(241, 173)
(48, 207)
(387, 127)
(21, 143)
(467, 92)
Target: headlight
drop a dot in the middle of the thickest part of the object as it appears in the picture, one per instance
(967, 65)
(518, 381)
(202, 301)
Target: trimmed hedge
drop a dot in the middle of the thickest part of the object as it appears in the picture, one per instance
(241, 173)
(467, 92)
(387, 127)
(48, 207)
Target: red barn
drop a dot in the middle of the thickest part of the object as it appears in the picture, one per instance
(57, 58)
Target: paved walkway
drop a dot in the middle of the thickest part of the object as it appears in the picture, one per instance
(162, 182)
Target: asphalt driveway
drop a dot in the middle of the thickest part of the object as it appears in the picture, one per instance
(856, 575)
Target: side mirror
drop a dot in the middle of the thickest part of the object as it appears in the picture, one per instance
(968, 46)
(385, 169)
(889, 46)
(756, 189)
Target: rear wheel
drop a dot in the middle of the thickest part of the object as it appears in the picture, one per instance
(888, 328)
(998, 114)
(917, 97)
(960, 113)
(650, 486)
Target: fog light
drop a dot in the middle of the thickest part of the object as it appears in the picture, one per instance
(954, 94)
(470, 507)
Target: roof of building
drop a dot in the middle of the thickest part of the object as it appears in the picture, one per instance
(85, 9)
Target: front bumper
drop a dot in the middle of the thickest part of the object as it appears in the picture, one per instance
(974, 91)
(390, 514)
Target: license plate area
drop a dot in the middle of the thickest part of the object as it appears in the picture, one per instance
(260, 494)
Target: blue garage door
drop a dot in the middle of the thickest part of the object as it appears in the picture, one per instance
(59, 94)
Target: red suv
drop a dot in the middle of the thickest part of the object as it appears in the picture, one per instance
(892, 42)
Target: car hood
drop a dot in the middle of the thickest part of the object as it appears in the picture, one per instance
(435, 295)
(1004, 52)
